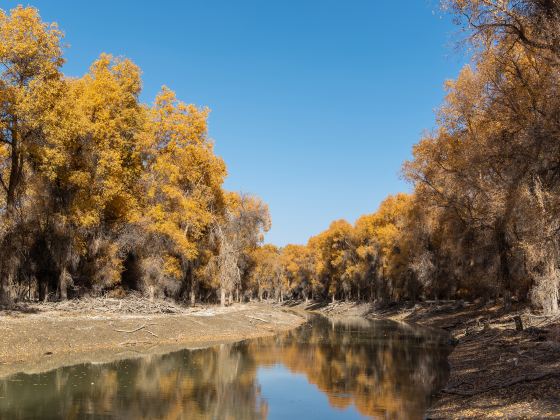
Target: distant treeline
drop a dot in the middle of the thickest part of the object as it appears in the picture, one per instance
(103, 193)
(484, 217)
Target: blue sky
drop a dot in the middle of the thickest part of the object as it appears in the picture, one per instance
(315, 103)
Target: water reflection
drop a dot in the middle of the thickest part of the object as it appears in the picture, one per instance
(377, 368)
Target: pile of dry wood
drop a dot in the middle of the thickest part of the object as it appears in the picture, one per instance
(131, 304)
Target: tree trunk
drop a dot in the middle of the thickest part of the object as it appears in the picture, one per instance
(4, 298)
(222, 296)
(63, 284)
(16, 167)
(193, 297)
(549, 288)
(504, 278)
(45, 296)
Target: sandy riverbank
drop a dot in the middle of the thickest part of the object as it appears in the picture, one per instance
(41, 337)
(495, 370)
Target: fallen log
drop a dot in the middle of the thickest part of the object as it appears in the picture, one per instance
(257, 318)
(131, 331)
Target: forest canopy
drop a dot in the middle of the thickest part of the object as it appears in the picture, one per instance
(100, 193)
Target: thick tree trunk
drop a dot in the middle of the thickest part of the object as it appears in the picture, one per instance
(4, 297)
(45, 296)
(504, 278)
(63, 284)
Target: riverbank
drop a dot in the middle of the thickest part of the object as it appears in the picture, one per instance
(495, 370)
(41, 337)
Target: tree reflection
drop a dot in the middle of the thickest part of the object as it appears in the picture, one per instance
(383, 369)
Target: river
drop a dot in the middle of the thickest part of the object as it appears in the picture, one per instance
(326, 369)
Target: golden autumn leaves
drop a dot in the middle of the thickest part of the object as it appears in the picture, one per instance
(98, 189)
(101, 181)
(345, 261)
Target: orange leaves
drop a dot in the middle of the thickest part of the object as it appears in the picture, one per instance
(346, 258)
(182, 175)
(29, 48)
(98, 160)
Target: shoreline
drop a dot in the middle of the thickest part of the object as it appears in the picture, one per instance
(49, 339)
(495, 370)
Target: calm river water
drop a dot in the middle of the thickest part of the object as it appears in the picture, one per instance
(326, 369)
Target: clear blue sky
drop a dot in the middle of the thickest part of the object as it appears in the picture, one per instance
(315, 103)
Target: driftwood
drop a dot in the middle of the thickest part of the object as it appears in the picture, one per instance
(138, 329)
(131, 304)
(131, 331)
(257, 318)
(133, 343)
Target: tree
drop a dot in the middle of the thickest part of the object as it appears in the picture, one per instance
(299, 270)
(182, 182)
(267, 274)
(31, 57)
(333, 251)
(495, 153)
(236, 235)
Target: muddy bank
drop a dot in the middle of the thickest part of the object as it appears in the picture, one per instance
(41, 337)
(495, 370)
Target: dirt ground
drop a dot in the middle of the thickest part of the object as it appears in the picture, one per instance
(495, 370)
(40, 337)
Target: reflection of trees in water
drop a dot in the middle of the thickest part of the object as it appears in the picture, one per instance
(383, 370)
(218, 383)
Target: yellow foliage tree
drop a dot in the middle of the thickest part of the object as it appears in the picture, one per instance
(182, 180)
